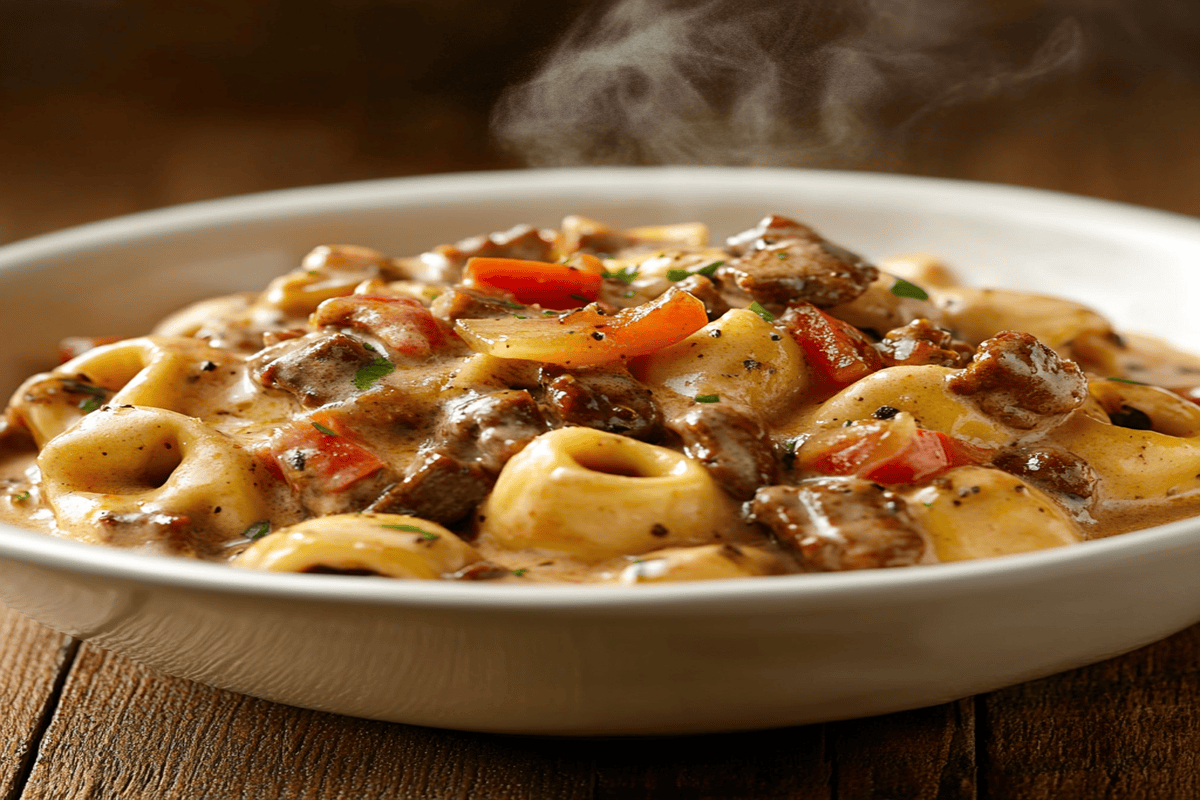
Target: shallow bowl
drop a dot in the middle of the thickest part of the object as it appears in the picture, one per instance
(662, 659)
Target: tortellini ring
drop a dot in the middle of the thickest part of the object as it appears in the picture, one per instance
(126, 474)
(390, 545)
(597, 495)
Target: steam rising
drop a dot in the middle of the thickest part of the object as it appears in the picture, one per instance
(767, 82)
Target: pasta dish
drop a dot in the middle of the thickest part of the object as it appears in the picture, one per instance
(592, 404)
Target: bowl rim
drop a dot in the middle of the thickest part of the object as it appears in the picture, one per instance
(85, 560)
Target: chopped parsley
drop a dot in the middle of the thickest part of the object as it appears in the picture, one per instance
(902, 288)
(426, 536)
(711, 269)
(372, 372)
(627, 275)
(707, 398)
(323, 429)
(90, 404)
(258, 530)
(21, 497)
(782, 256)
(757, 308)
(676, 275)
(519, 572)
(511, 304)
(1127, 380)
(408, 528)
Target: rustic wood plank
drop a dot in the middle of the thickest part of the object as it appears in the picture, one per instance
(788, 763)
(124, 731)
(1128, 727)
(928, 752)
(33, 662)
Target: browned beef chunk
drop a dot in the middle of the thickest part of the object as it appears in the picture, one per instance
(445, 263)
(456, 469)
(731, 444)
(782, 261)
(921, 342)
(317, 369)
(1052, 469)
(523, 241)
(706, 291)
(492, 428)
(439, 487)
(605, 398)
(1021, 382)
(841, 523)
(458, 302)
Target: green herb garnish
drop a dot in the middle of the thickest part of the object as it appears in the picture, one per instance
(519, 572)
(711, 269)
(90, 404)
(757, 308)
(258, 530)
(902, 288)
(324, 430)
(1127, 380)
(511, 304)
(426, 536)
(21, 497)
(372, 372)
(627, 275)
(782, 256)
(676, 275)
(707, 398)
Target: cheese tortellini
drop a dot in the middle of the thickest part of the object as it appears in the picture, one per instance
(594, 404)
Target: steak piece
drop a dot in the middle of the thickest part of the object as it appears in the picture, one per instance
(781, 261)
(1021, 382)
(732, 446)
(840, 523)
(921, 342)
(604, 398)
(317, 369)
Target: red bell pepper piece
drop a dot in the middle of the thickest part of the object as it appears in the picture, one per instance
(321, 452)
(554, 286)
(839, 352)
(864, 452)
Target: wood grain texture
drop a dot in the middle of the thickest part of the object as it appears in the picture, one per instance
(33, 663)
(125, 731)
(1127, 727)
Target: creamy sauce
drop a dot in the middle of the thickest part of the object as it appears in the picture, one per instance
(786, 410)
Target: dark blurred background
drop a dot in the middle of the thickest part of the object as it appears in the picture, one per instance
(114, 106)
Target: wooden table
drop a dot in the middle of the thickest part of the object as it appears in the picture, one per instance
(80, 722)
(77, 722)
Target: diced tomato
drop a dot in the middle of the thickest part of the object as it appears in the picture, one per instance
(554, 286)
(877, 453)
(404, 325)
(839, 352)
(322, 453)
(586, 336)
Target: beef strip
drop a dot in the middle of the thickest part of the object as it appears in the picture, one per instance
(1021, 382)
(921, 342)
(731, 444)
(1052, 469)
(438, 486)
(781, 261)
(456, 469)
(318, 369)
(706, 292)
(459, 302)
(606, 398)
(840, 523)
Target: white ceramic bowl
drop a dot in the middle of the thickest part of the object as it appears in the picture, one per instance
(691, 657)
